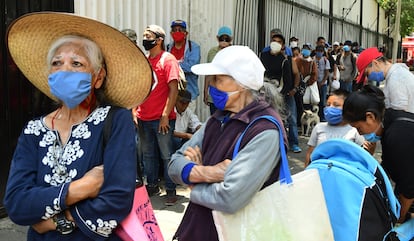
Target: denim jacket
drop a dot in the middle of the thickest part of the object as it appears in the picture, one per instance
(191, 57)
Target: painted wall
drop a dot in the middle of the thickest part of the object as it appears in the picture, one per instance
(205, 17)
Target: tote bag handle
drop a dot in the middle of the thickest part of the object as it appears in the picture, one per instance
(284, 174)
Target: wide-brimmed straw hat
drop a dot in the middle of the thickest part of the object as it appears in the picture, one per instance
(129, 74)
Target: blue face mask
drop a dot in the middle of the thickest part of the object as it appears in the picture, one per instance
(372, 137)
(346, 48)
(319, 54)
(333, 115)
(376, 76)
(306, 52)
(220, 97)
(70, 87)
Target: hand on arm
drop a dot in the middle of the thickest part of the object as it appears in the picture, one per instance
(204, 174)
(47, 225)
(44, 226)
(209, 174)
(86, 187)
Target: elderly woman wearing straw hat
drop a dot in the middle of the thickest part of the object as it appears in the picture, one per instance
(65, 182)
(220, 180)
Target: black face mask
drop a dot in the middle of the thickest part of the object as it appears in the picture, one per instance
(149, 44)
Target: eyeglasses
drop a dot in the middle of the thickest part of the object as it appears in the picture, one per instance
(224, 39)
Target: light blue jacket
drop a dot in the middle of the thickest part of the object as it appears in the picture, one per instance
(191, 57)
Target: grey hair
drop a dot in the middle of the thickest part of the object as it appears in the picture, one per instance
(271, 95)
(93, 52)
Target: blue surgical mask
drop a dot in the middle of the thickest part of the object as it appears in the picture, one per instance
(333, 115)
(220, 97)
(376, 76)
(306, 52)
(319, 54)
(372, 137)
(70, 87)
(346, 48)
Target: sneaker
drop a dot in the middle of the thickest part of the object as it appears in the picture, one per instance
(172, 198)
(152, 189)
(296, 149)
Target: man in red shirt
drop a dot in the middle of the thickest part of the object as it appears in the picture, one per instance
(187, 53)
(156, 116)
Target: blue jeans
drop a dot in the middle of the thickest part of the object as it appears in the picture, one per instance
(152, 144)
(346, 85)
(292, 120)
(322, 95)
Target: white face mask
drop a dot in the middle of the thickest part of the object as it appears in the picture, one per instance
(293, 44)
(275, 47)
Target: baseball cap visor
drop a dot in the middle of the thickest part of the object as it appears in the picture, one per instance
(209, 69)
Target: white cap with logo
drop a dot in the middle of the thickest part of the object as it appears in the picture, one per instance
(239, 62)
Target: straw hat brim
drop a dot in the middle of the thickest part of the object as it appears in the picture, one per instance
(129, 74)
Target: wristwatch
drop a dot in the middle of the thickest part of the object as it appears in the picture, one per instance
(63, 225)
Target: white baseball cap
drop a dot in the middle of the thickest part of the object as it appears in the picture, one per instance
(239, 62)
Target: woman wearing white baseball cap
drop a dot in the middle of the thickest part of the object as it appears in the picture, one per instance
(220, 180)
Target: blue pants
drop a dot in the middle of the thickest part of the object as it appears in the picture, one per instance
(346, 85)
(152, 143)
(292, 120)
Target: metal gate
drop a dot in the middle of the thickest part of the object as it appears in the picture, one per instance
(20, 101)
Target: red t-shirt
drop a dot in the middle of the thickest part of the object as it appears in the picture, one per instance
(178, 53)
(152, 107)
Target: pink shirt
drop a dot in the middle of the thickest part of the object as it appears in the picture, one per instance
(165, 71)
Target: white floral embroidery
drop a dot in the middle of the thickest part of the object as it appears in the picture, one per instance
(72, 152)
(48, 139)
(34, 127)
(81, 131)
(99, 115)
(102, 227)
(50, 212)
(58, 159)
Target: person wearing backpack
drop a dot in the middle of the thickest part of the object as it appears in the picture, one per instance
(365, 110)
(283, 72)
(187, 53)
(156, 115)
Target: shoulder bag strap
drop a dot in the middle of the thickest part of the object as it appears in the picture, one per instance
(284, 175)
(107, 130)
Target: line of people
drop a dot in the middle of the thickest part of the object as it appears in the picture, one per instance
(67, 183)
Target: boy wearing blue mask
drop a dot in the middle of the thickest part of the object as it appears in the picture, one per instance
(335, 127)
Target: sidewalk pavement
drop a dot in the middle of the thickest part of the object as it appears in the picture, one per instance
(168, 217)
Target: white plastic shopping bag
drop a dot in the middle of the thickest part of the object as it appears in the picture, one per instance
(311, 95)
(292, 209)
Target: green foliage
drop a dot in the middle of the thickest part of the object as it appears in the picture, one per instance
(407, 14)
